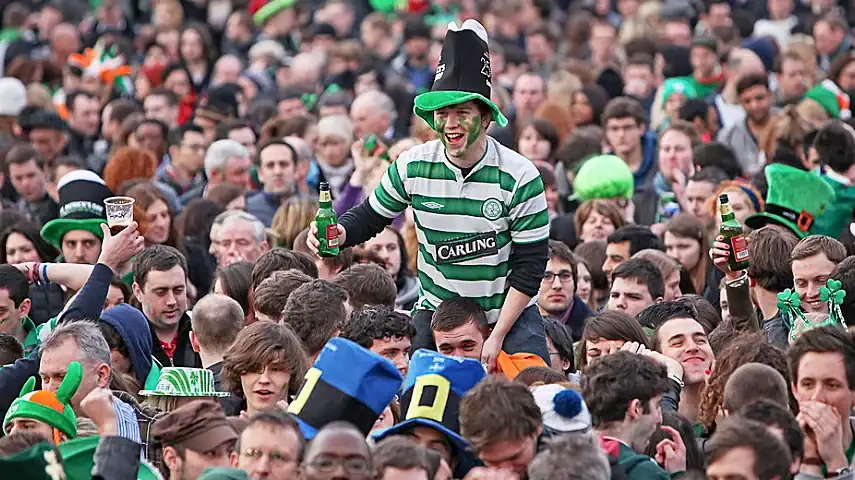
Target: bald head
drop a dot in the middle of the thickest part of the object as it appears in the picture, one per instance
(227, 70)
(754, 381)
(742, 61)
(339, 439)
(372, 112)
(216, 321)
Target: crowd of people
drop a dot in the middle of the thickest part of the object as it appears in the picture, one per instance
(527, 277)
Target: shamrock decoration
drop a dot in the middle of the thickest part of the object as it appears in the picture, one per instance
(832, 292)
(789, 299)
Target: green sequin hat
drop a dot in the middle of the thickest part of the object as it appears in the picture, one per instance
(185, 382)
(53, 409)
(795, 198)
(463, 73)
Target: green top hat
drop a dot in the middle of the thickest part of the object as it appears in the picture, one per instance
(185, 382)
(39, 462)
(79, 458)
(604, 177)
(794, 200)
(463, 73)
(81, 206)
(53, 409)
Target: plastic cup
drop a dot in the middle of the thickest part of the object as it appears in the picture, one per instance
(120, 213)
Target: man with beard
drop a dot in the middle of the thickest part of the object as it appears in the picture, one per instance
(679, 335)
(623, 392)
(557, 296)
(278, 165)
(745, 137)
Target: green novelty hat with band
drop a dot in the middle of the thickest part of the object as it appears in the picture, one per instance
(463, 73)
(795, 198)
(185, 382)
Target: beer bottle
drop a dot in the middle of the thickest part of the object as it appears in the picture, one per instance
(327, 223)
(734, 236)
(371, 146)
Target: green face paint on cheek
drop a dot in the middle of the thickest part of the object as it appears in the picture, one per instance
(473, 130)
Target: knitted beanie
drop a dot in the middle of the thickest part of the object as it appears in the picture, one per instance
(53, 409)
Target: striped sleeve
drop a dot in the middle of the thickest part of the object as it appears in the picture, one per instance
(391, 198)
(529, 218)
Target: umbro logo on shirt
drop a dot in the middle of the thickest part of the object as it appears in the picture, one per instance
(433, 205)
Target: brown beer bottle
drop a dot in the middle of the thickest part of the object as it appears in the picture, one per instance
(734, 236)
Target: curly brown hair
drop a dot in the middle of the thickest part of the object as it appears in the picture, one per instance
(259, 345)
(129, 164)
(747, 349)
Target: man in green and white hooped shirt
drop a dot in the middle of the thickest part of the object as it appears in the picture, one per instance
(479, 208)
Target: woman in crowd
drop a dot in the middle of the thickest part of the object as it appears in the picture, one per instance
(588, 104)
(197, 54)
(686, 241)
(597, 219)
(228, 196)
(594, 255)
(538, 142)
(389, 245)
(335, 137)
(234, 281)
(128, 165)
(744, 200)
(292, 217)
(583, 282)
(21, 243)
(151, 211)
(676, 144)
(605, 333)
(550, 190)
(193, 227)
(264, 366)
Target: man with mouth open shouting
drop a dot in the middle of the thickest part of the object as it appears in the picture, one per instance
(479, 208)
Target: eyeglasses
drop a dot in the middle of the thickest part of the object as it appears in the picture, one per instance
(352, 466)
(564, 276)
(273, 456)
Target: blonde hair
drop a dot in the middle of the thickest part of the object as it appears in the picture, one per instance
(812, 112)
(560, 87)
(38, 95)
(291, 218)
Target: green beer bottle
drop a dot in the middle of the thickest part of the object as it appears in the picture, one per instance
(371, 145)
(734, 236)
(327, 223)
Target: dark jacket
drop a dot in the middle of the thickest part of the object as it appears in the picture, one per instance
(184, 355)
(87, 304)
(574, 318)
(116, 458)
(132, 326)
(47, 301)
(232, 404)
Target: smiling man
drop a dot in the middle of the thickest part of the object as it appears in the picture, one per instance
(680, 336)
(813, 259)
(480, 208)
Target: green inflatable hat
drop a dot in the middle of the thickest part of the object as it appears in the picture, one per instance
(604, 177)
(463, 73)
(270, 9)
(79, 458)
(53, 409)
(185, 382)
(795, 198)
(39, 462)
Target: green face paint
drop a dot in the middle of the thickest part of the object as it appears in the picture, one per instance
(472, 127)
(473, 130)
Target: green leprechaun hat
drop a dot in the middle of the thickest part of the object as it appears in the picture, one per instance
(39, 462)
(78, 455)
(185, 382)
(53, 409)
(463, 73)
(81, 206)
(795, 198)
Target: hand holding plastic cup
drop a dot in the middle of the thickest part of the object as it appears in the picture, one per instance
(120, 213)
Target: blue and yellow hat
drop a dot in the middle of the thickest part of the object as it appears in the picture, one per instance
(347, 383)
(432, 392)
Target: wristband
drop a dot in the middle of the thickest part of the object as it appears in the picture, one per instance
(814, 461)
(44, 274)
(34, 274)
